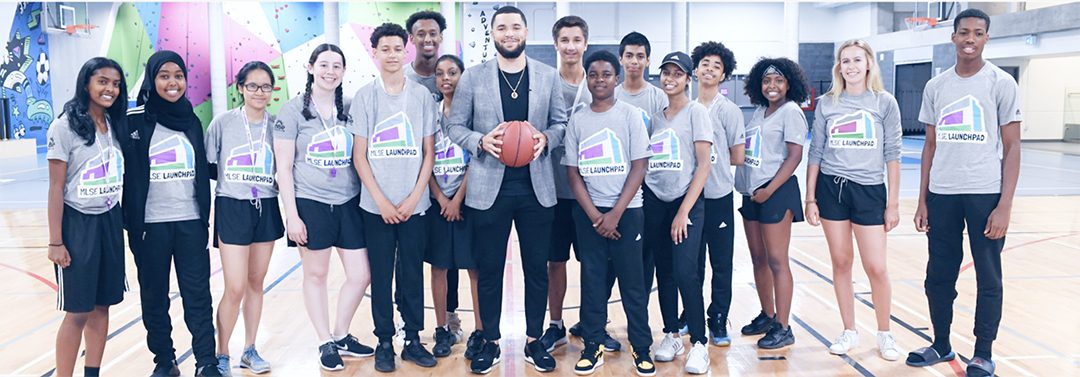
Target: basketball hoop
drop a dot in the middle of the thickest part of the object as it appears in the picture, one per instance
(71, 29)
(920, 23)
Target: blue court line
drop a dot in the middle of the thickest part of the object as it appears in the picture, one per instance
(266, 290)
(847, 359)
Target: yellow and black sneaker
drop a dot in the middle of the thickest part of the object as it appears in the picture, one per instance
(592, 357)
(644, 363)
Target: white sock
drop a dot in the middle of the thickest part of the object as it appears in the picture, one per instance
(558, 323)
(338, 338)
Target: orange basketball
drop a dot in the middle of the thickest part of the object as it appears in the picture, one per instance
(518, 142)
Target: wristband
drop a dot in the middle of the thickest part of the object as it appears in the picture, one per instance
(56, 244)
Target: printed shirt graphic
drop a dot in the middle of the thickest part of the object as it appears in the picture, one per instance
(962, 122)
(666, 153)
(172, 159)
(450, 163)
(331, 148)
(853, 131)
(102, 176)
(251, 164)
(393, 138)
(602, 154)
(753, 147)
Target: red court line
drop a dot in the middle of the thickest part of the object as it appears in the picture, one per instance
(972, 263)
(960, 372)
(37, 277)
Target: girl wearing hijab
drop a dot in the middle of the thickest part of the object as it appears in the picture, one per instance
(85, 179)
(167, 208)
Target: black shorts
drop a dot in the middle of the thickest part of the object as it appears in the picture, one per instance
(331, 225)
(840, 199)
(787, 197)
(95, 276)
(239, 222)
(563, 235)
(449, 244)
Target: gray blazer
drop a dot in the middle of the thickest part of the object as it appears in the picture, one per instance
(477, 109)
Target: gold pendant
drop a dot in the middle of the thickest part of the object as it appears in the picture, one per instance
(513, 95)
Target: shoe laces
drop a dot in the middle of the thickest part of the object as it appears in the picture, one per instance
(886, 342)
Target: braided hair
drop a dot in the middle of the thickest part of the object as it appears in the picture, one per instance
(339, 102)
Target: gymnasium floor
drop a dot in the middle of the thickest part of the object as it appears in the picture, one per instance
(1036, 338)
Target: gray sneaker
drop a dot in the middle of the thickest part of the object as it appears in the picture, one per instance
(223, 365)
(251, 360)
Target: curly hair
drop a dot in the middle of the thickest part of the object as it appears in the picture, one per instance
(798, 90)
(426, 15)
(388, 29)
(718, 49)
(603, 56)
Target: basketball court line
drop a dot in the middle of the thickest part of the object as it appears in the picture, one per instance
(33, 275)
(1022, 244)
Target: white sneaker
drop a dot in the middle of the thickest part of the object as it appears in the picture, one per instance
(670, 347)
(887, 346)
(845, 342)
(697, 361)
(453, 324)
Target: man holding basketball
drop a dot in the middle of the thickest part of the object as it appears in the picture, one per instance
(503, 195)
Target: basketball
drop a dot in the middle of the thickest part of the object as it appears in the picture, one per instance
(518, 142)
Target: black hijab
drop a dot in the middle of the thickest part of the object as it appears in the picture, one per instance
(177, 116)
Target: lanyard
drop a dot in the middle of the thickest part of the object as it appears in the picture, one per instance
(333, 109)
(251, 147)
(106, 157)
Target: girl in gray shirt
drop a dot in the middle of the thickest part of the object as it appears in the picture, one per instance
(856, 138)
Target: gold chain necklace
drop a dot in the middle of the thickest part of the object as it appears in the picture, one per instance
(513, 88)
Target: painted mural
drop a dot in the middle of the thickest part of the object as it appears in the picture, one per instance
(24, 72)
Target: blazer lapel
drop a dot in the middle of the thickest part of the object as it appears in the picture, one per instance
(492, 91)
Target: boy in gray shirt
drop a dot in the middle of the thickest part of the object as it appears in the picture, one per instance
(607, 147)
(970, 165)
(394, 123)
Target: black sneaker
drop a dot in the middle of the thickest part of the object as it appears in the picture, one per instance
(350, 346)
(538, 356)
(415, 352)
(443, 341)
(553, 337)
(575, 330)
(759, 325)
(718, 332)
(610, 344)
(329, 358)
(487, 358)
(777, 337)
(475, 343)
(168, 369)
(643, 362)
(207, 371)
(384, 357)
(592, 357)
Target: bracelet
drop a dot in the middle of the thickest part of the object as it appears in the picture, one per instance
(56, 244)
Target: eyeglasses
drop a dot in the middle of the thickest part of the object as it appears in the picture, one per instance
(251, 87)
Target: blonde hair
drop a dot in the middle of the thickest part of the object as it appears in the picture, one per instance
(873, 73)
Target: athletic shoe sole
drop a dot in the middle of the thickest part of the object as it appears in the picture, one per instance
(334, 368)
(253, 370)
(643, 374)
(557, 343)
(599, 364)
(677, 354)
(488, 370)
(529, 359)
(781, 345)
(342, 352)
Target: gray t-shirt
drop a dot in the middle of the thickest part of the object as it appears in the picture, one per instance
(95, 173)
(245, 160)
(451, 160)
(569, 93)
(766, 145)
(671, 167)
(967, 114)
(427, 81)
(395, 126)
(171, 196)
(854, 136)
(728, 131)
(599, 145)
(650, 100)
(322, 164)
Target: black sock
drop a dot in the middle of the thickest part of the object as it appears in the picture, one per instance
(942, 345)
(982, 348)
(92, 371)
